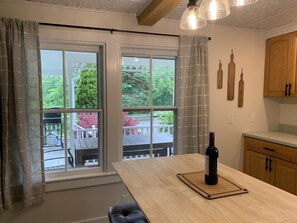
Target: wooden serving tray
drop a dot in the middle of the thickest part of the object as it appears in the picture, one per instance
(223, 188)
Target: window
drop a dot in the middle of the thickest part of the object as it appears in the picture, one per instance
(149, 108)
(68, 56)
(72, 106)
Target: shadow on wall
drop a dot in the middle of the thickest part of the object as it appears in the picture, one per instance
(281, 112)
(272, 110)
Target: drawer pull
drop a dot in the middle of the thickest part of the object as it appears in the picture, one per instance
(271, 150)
(270, 165)
(289, 91)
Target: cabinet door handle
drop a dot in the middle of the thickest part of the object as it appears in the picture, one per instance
(270, 165)
(289, 91)
(266, 164)
(269, 149)
(286, 90)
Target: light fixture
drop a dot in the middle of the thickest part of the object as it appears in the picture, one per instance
(195, 17)
(190, 19)
(214, 9)
(241, 2)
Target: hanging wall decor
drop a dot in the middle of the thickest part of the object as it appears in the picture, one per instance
(240, 90)
(220, 76)
(231, 78)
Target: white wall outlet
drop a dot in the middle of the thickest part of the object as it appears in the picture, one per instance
(253, 117)
(125, 199)
(230, 118)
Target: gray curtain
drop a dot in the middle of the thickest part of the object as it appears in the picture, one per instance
(21, 154)
(193, 95)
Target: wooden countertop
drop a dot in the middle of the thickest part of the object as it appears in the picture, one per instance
(275, 137)
(165, 199)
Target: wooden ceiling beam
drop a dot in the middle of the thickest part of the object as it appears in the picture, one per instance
(156, 10)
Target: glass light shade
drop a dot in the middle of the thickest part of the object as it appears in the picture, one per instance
(214, 9)
(241, 2)
(190, 19)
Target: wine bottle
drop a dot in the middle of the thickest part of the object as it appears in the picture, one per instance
(211, 161)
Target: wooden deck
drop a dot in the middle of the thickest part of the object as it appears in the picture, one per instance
(54, 158)
(134, 146)
(86, 149)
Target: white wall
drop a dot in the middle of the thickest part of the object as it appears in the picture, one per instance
(288, 114)
(249, 50)
(82, 204)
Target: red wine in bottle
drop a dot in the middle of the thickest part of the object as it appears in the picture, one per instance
(211, 161)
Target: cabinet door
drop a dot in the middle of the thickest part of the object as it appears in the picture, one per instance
(293, 79)
(284, 175)
(278, 64)
(256, 166)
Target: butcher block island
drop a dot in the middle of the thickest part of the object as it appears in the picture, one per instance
(164, 198)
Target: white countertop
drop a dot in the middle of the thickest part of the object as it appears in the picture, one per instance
(275, 137)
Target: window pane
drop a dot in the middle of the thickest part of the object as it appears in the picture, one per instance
(135, 81)
(82, 80)
(52, 78)
(83, 138)
(163, 82)
(163, 132)
(136, 134)
(54, 145)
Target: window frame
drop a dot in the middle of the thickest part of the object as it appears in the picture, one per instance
(99, 49)
(153, 54)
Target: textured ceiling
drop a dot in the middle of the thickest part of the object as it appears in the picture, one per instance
(264, 15)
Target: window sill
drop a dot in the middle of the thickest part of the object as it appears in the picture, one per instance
(59, 182)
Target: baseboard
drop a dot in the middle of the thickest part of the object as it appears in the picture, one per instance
(95, 220)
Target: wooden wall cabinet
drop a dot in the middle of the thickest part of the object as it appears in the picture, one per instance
(272, 163)
(280, 66)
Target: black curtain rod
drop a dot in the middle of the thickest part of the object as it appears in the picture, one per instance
(110, 30)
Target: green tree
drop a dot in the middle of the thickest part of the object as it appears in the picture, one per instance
(52, 90)
(163, 89)
(86, 91)
(135, 89)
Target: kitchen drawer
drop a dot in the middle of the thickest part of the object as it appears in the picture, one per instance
(279, 151)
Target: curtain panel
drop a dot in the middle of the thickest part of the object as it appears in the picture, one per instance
(193, 95)
(21, 155)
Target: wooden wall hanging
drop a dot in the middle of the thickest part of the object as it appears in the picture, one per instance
(220, 76)
(231, 78)
(240, 90)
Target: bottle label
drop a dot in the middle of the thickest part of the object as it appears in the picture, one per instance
(206, 165)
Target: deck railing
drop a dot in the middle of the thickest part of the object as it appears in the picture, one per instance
(80, 132)
(55, 159)
(129, 130)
